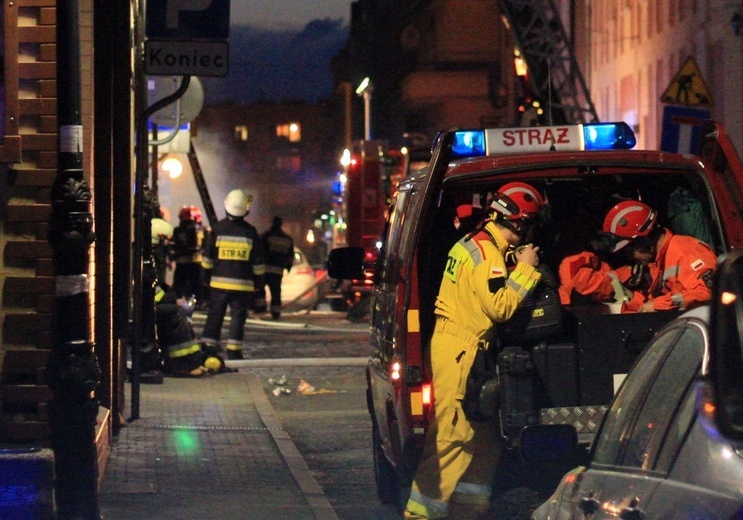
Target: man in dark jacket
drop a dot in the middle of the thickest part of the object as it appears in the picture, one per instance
(187, 255)
(279, 250)
(234, 255)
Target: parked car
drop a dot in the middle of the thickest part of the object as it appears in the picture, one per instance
(298, 286)
(669, 446)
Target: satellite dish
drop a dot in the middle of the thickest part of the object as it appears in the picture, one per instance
(189, 105)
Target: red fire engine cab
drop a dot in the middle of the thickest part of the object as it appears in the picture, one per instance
(374, 170)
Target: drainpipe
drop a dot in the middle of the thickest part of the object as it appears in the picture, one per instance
(72, 371)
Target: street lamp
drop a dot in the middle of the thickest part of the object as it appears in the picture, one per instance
(365, 89)
(173, 167)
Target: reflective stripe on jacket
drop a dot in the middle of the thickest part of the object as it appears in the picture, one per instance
(683, 273)
(477, 288)
(234, 254)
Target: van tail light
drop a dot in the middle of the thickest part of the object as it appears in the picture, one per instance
(395, 371)
(426, 394)
(421, 400)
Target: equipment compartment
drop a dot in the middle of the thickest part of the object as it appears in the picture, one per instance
(607, 346)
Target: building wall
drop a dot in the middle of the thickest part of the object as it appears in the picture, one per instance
(26, 268)
(638, 46)
(463, 54)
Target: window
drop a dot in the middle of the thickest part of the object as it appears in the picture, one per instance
(620, 417)
(639, 421)
(663, 399)
(241, 133)
(292, 132)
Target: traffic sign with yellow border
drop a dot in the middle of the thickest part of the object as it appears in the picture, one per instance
(688, 87)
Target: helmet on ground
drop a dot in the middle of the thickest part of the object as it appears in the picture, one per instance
(236, 204)
(185, 213)
(517, 201)
(628, 220)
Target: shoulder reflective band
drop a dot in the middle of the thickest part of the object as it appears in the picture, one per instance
(595, 136)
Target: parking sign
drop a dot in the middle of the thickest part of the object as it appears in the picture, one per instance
(187, 19)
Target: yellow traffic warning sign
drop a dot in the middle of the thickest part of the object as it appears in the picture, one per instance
(688, 87)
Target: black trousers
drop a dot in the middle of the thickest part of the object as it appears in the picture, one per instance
(239, 304)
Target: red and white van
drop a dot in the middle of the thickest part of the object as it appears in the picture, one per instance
(574, 369)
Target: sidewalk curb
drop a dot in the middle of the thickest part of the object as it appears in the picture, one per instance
(321, 508)
(325, 362)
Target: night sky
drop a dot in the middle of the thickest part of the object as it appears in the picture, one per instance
(281, 50)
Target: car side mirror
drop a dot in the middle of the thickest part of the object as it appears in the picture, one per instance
(346, 263)
(726, 345)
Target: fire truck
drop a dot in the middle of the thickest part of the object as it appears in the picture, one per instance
(374, 170)
(564, 368)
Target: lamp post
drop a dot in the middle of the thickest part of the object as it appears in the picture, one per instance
(365, 90)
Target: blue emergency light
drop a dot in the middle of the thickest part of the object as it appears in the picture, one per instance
(609, 136)
(594, 136)
(469, 143)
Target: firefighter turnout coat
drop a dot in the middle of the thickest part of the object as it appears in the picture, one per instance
(234, 255)
(454, 476)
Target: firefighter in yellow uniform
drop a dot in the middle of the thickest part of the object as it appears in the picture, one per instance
(455, 473)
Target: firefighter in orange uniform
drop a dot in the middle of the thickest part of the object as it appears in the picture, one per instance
(454, 476)
(680, 267)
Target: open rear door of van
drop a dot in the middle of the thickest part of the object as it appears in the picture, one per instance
(725, 171)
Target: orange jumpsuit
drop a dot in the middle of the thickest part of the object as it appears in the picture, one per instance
(682, 273)
(459, 457)
(588, 275)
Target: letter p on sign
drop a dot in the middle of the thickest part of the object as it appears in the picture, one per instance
(175, 7)
(187, 19)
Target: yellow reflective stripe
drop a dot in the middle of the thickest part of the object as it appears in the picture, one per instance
(416, 403)
(183, 349)
(233, 241)
(159, 294)
(234, 345)
(272, 269)
(259, 269)
(426, 507)
(207, 263)
(234, 248)
(232, 284)
(414, 324)
(239, 254)
(521, 282)
(468, 493)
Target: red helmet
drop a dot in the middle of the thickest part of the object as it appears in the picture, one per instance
(629, 220)
(517, 201)
(185, 213)
(196, 214)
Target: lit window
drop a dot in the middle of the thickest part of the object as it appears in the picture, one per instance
(291, 131)
(241, 132)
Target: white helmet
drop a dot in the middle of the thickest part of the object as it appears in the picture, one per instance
(236, 204)
(161, 229)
